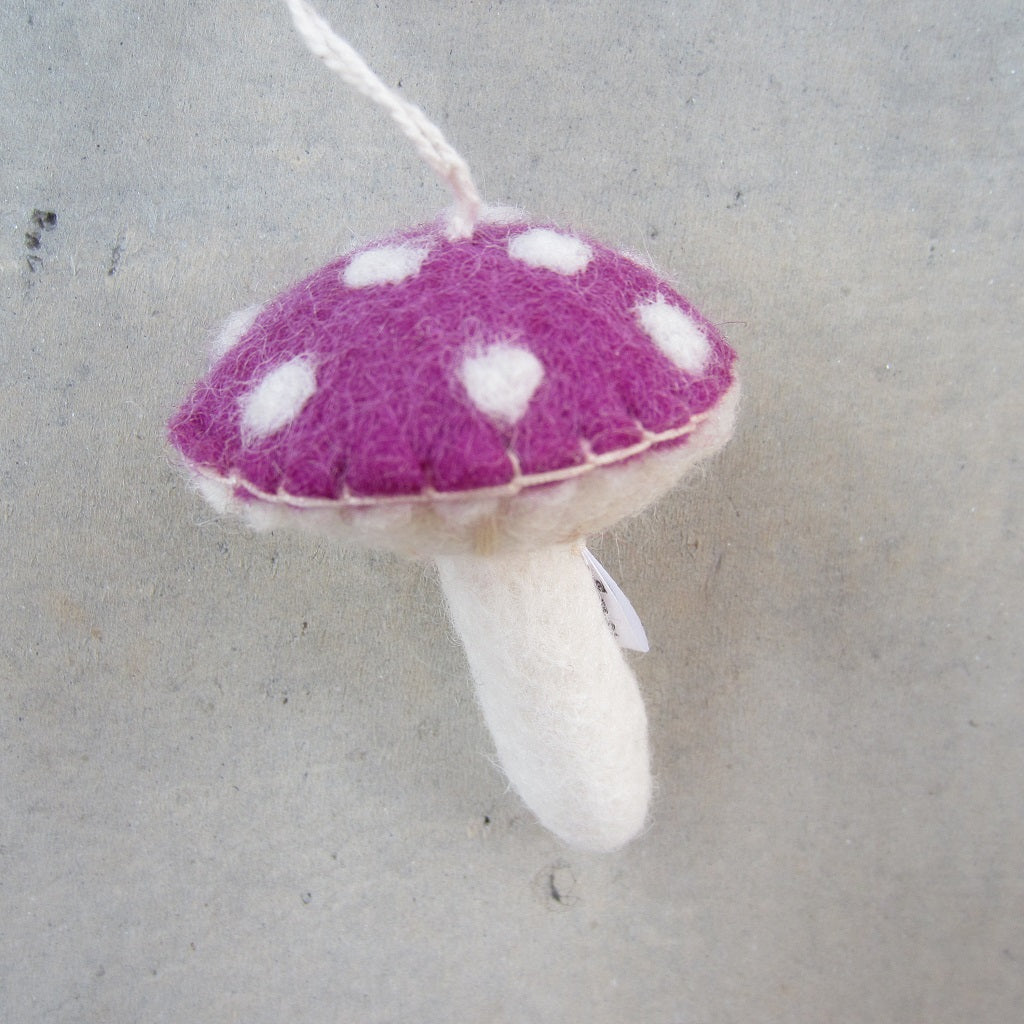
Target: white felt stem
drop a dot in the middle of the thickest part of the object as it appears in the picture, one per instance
(562, 704)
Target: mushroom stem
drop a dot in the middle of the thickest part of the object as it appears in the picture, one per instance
(562, 705)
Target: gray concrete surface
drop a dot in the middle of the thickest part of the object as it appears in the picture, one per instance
(243, 777)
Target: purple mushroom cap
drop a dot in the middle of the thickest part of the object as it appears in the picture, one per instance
(421, 369)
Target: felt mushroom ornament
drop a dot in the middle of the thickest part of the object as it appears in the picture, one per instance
(486, 391)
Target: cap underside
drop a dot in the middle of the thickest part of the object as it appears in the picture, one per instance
(488, 520)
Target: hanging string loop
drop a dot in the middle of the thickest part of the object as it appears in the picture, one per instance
(430, 143)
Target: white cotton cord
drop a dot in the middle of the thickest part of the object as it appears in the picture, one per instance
(425, 135)
(563, 707)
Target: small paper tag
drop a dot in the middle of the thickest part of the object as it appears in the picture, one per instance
(621, 615)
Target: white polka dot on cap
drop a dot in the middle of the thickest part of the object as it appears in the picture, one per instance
(278, 398)
(550, 250)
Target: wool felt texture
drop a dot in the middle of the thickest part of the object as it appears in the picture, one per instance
(570, 730)
(455, 368)
(486, 391)
(488, 521)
